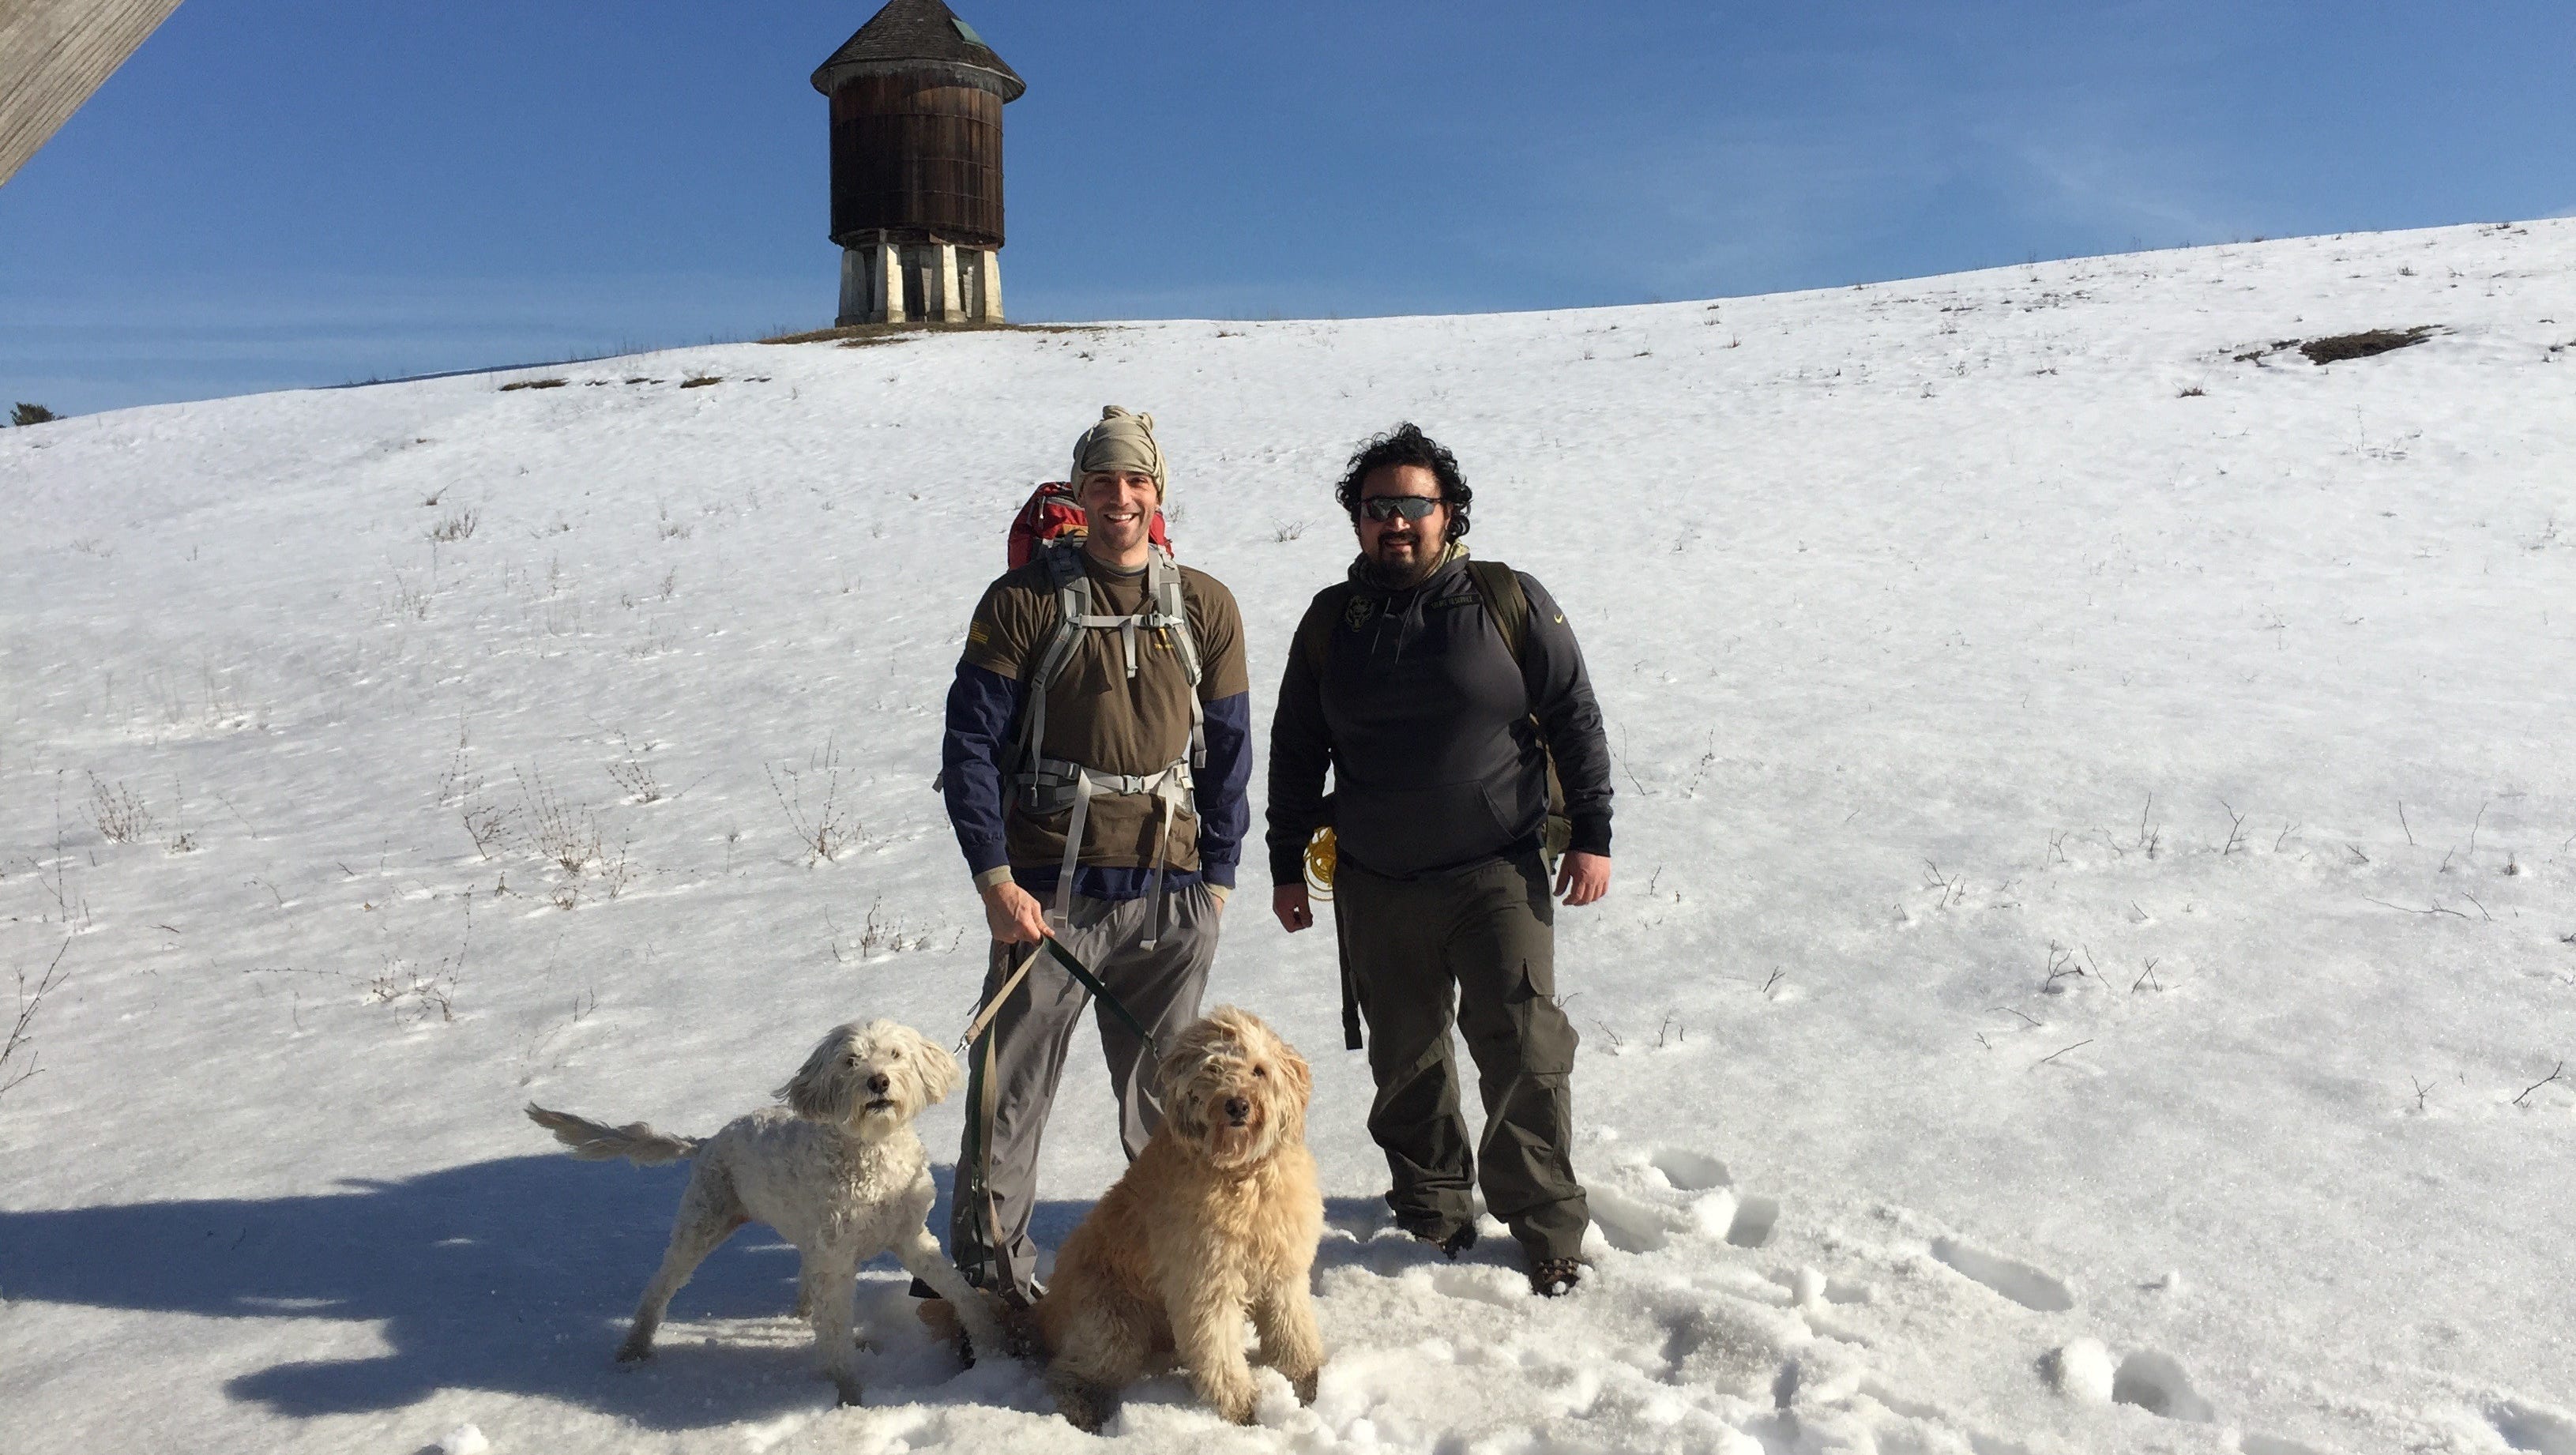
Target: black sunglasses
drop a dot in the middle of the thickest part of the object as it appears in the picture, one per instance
(1388, 507)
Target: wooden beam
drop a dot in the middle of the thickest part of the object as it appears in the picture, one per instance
(53, 54)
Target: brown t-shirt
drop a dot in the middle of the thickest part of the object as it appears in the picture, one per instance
(1098, 716)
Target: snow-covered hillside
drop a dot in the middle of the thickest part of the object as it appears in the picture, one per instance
(2095, 913)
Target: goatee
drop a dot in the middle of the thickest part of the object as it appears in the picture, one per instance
(1387, 576)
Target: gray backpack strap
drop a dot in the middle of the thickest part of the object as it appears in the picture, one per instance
(1073, 608)
(1170, 610)
(1047, 781)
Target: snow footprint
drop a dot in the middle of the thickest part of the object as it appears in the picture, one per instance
(2154, 1382)
(2252, 1444)
(1708, 1205)
(1753, 1221)
(2157, 1384)
(2537, 1430)
(1631, 1224)
(2017, 1281)
(1479, 1284)
(1689, 1171)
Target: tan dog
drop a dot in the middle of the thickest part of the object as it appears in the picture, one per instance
(1217, 1220)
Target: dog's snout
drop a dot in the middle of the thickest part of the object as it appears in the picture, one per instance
(880, 1083)
(1238, 1110)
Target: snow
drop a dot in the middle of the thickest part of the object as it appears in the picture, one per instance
(2091, 938)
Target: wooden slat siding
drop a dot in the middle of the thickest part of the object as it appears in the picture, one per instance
(53, 55)
(918, 156)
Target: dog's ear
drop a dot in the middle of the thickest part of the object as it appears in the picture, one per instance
(1188, 1051)
(819, 1091)
(939, 1069)
(1300, 1076)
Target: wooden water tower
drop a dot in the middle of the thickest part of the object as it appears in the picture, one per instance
(917, 167)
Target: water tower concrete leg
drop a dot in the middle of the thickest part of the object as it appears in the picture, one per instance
(988, 261)
(885, 284)
(854, 289)
(951, 304)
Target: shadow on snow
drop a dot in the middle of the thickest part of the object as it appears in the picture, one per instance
(515, 1275)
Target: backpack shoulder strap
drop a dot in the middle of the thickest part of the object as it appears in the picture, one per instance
(1073, 603)
(1315, 630)
(1171, 611)
(1505, 602)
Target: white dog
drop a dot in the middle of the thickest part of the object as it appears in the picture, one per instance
(838, 1172)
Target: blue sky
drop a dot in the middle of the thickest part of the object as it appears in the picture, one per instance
(275, 193)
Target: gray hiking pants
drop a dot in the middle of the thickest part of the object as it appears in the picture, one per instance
(1160, 987)
(1477, 950)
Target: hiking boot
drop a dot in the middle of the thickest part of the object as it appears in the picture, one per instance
(1451, 1241)
(1555, 1277)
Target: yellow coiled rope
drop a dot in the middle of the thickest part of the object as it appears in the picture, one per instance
(1319, 864)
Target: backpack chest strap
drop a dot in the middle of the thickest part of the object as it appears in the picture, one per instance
(1053, 783)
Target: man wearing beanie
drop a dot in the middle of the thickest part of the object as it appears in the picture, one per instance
(1441, 692)
(1097, 750)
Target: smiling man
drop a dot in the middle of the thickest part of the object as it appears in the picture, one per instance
(1097, 750)
(1438, 690)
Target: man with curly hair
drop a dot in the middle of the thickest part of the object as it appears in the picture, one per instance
(1443, 694)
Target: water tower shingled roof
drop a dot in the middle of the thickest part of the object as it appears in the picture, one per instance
(911, 32)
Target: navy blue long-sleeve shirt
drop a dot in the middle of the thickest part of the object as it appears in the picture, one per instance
(983, 722)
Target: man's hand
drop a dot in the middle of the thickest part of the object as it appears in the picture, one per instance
(1296, 912)
(1583, 878)
(1013, 915)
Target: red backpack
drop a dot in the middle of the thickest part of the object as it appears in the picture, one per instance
(1054, 514)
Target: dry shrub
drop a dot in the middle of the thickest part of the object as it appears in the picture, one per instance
(119, 812)
(2363, 345)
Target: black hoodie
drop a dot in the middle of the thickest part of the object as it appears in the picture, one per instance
(1424, 719)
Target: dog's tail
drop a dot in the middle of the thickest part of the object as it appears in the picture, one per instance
(592, 1141)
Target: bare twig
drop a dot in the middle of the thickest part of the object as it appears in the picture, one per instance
(2436, 909)
(2053, 1055)
(2033, 1024)
(2061, 963)
(2421, 1091)
(2235, 830)
(2147, 977)
(826, 823)
(2403, 824)
(2543, 1081)
(22, 1031)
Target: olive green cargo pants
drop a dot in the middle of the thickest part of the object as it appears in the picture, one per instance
(1478, 950)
